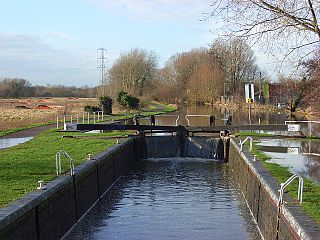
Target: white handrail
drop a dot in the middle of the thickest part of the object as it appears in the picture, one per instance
(196, 115)
(286, 183)
(58, 162)
(170, 115)
(241, 143)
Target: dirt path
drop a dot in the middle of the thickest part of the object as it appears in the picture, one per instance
(31, 132)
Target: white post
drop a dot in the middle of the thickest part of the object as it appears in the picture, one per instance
(82, 117)
(57, 122)
(94, 117)
(88, 118)
(64, 120)
(102, 116)
(310, 130)
(71, 119)
(77, 118)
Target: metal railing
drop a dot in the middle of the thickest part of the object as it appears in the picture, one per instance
(58, 162)
(286, 183)
(169, 115)
(190, 115)
(309, 123)
(242, 142)
(85, 117)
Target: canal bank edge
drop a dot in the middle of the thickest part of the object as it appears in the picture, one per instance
(51, 213)
(260, 190)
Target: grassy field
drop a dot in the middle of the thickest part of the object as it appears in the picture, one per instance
(311, 190)
(25, 164)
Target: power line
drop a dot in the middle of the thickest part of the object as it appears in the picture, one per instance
(102, 67)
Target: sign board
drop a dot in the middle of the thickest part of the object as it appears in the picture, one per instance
(294, 127)
(293, 150)
(70, 127)
(249, 92)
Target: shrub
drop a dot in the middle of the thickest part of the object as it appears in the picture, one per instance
(89, 108)
(106, 104)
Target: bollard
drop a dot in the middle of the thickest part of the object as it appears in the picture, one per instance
(212, 120)
(229, 121)
(152, 120)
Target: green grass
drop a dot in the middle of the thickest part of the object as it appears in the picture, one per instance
(23, 165)
(311, 190)
(253, 134)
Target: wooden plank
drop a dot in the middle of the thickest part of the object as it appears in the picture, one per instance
(89, 127)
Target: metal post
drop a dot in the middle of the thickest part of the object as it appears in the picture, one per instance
(310, 130)
(249, 113)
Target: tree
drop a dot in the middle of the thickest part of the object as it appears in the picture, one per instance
(188, 76)
(127, 101)
(132, 71)
(106, 104)
(238, 61)
(283, 23)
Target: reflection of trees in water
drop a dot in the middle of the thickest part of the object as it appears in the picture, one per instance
(312, 164)
(310, 147)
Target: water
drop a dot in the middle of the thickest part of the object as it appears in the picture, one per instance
(300, 156)
(10, 142)
(174, 198)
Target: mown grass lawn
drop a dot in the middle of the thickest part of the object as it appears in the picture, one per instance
(23, 165)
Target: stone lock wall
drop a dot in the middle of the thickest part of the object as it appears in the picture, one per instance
(260, 190)
(51, 213)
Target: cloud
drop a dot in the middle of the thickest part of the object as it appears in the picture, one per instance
(157, 10)
(28, 57)
(58, 35)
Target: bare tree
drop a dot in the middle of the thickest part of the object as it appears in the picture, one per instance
(238, 61)
(132, 71)
(279, 24)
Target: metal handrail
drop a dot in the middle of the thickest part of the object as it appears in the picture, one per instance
(170, 115)
(286, 183)
(58, 162)
(241, 143)
(190, 115)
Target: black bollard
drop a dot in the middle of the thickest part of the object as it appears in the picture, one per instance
(152, 120)
(135, 120)
(229, 121)
(212, 120)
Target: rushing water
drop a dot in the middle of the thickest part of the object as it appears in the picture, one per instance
(177, 198)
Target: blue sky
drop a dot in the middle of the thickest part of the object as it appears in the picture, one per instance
(56, 41)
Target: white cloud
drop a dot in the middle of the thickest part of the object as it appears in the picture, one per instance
(28, 57)
(157, 10)
(58, 35)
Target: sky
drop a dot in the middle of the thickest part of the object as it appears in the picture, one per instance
(56, 41)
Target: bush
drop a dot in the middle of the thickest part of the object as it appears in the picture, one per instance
(127, 101)
(106, 104)
(89, 108)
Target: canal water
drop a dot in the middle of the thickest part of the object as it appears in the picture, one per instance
(10, 142)
(173, 198)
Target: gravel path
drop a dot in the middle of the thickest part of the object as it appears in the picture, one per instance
(31, 132)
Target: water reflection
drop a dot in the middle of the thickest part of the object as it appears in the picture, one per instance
(301, 157)
(170, 199)
(239, 116)
(10, 142)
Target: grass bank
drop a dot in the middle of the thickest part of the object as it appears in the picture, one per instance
(311, 190)
(23, 165)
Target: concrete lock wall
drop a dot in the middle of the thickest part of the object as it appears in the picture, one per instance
(51, 213)
(260, 190)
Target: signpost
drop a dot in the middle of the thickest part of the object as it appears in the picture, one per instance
(249, 95)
